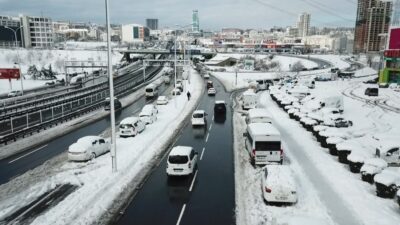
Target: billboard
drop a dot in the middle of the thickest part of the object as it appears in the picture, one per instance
(13, 73)
(394, 39)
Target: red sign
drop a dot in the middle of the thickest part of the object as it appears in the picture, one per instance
(9, 73)
(392, 53)
(394, 39)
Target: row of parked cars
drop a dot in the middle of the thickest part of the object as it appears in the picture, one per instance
(375, 156)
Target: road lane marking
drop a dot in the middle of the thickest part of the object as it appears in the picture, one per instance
(202, 153)
(26, 154)
(208, 134)
(213, 118)
(181, 214)
(210, 127)
(194, 178)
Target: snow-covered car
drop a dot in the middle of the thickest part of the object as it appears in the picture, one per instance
(278, 184)
(182, 160)
(88, 148)
(372, 167)
(301, 220)
(151, 107)
(211, 91)
(162, 100)
(387, 182)
(131, 126)
(176, 91)
(14, 93)
(389, 150)
(148, 116)
(206, 76)
(199, 118)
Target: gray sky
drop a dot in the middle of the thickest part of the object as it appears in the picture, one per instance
(213, 14)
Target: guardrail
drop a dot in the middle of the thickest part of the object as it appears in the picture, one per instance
(41, 120)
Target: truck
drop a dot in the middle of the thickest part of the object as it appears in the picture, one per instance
(249, 99)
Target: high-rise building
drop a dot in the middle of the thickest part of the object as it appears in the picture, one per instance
(38, 32)
(303, 25)
(9, 27)
(195, 22)
(152, 24)
(373, 17)
(135, 33)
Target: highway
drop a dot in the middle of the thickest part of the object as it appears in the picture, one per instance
(204, 198)
(20, 163)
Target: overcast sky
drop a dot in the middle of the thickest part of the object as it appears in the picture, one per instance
(213, 14)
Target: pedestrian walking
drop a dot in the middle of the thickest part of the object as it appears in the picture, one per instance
(188, 95)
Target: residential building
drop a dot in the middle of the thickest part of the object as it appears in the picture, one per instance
(37, 32)
(135, 33)
(303, 25)
(373, 17)
(9, 26)
(152, 24)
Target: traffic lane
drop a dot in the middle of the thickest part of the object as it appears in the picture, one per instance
(212, 201)
(20, 163)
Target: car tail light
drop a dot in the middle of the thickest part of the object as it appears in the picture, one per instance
(254, 152)
(268, 190)
(281, 151)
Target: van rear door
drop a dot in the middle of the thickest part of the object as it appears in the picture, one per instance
(267, 151)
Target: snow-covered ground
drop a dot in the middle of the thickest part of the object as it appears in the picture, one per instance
(96, 194)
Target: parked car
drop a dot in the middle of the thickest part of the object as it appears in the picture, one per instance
(219, 107)
(372, 91)
(387, 182)
(148, 116)
(211, 91)
(107, 104)
(199, 118)
(278, 184)
(389, 150)
(176, 91)
(372, 167)
(131, 126)
(14, 94)
(151, 107)
(88, 148)
(182, 160)
(162, 100)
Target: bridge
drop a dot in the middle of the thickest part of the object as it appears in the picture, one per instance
(154, 52)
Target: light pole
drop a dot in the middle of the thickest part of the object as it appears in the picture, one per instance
(112, 110)
(17, 63)
(15, 33)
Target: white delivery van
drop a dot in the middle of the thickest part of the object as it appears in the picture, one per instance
(258, 116)
(249, 100)
(199, 118)
(151, 91)
(131, 126)
(263, 142)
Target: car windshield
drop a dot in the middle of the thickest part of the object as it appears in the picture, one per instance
(125, 126)
(198, 115)
(178, 159)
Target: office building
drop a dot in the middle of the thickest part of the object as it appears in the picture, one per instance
(195, 22)
(37, 32)
(9, 26)
(152, 24)
(373, 17)
(303, 25)
(135, 33)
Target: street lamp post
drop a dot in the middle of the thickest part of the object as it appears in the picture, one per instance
(15, 34)
(112, 110)
(17, 63)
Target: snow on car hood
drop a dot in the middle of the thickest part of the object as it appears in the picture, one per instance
(78, 147)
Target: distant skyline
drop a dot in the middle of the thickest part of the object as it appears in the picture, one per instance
(214, 15)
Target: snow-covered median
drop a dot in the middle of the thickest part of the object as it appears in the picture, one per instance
(99, 188)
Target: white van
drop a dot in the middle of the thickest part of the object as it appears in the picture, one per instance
(263, 142)
(131, 126)
(249, 100)
(151, 91)
(199, 118)
(258, 116)
(182, 160)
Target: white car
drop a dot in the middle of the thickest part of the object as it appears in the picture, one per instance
(88, 148)
(131, 126)
(211, 91)
(14, 93)
(199, 118)
(148, 116)
(175, 92)
(278, 184)
(162, 100)
(206, 76)
(182, 160)
(151, 107)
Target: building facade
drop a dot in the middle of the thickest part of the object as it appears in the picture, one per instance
(9, 27)
(195, 22)
(37, 32)
(373, 17)
(152, 24)
(132, 33)
(303, 25)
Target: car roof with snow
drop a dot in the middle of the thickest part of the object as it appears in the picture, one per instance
(148, 107)
(386, 145)
(249, 92)
(181, 150)
(162, 97)
(199, 112)
(280, 175)
(258, 113)
(262, 129)
(301, 220)
(129, 120)
(219, 102)
(85, 142)
(388, 176)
